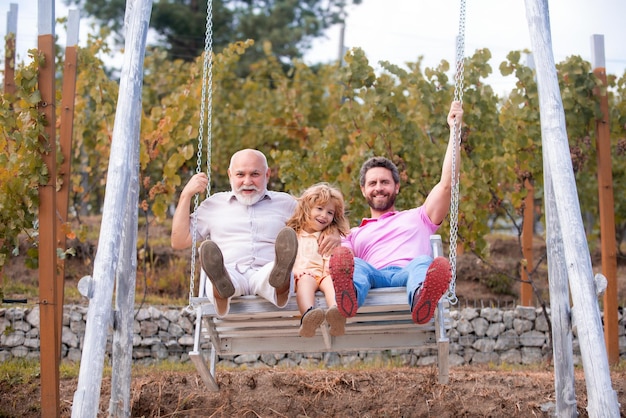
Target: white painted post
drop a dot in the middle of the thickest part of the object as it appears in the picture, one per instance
(9, 50)
(602, 398)
(118, 232)
(560, 313)
(137, 23)
(73, 28)
(12, 19)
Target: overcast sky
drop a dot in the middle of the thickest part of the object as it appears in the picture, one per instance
(401, 30)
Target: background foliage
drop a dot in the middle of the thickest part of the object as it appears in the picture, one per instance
(316, 123)
(289, 25)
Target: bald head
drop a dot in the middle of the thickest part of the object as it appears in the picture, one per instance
(248, 174)
(248, 155)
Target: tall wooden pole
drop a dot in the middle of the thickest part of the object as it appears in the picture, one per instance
(9, 51)
(527, 244)
(561, 314)
(606, 203)
(118, 233)
(50, 337)
(132, 79)
(602, 398)
(528, 228)
(65, 139)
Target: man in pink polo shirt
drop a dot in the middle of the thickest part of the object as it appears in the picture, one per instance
(392, 248)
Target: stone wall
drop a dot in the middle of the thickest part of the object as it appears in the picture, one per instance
(478, 335)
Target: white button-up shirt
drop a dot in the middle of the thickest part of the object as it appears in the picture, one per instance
(245, 233)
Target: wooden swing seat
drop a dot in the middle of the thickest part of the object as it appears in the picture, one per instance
(256, 326)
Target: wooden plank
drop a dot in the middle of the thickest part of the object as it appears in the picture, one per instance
(292, 329)
(345, 343)
(443, 358)
(377, 299)
(266, 320)
(204, 372)
(293, 325)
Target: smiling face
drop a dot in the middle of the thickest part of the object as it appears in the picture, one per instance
(320, 217)
(248, 174)
(380, 190)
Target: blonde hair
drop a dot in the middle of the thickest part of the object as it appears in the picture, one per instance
(320, 194)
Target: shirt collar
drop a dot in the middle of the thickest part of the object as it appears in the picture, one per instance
(365, 221)
(312, 234)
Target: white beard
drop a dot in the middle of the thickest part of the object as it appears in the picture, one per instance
(249, 200)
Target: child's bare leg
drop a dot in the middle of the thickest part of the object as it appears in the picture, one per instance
(326, 286)
(305, 292)
(312, 317)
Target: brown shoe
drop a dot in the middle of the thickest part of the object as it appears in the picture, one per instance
(311, 321)
(336, 321)
(212, 263)
(286, 249)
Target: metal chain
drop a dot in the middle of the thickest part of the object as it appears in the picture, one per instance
(206, 110)
(454, 203)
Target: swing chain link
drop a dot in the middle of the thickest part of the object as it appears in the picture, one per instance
(454, 203)
(206, 110)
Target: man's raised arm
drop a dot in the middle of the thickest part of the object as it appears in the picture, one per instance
(437, 203)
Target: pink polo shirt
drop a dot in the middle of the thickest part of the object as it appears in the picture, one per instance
(394, 239)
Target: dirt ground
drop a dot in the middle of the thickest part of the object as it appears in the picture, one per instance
(472, 391)
(373, 392)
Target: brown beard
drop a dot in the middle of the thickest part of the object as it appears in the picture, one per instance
(391, 200)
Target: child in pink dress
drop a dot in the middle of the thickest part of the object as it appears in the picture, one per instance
(320, 208)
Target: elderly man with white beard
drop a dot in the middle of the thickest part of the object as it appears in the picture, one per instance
(246, 248)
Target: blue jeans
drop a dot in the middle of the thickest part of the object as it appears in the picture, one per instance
(368, 277)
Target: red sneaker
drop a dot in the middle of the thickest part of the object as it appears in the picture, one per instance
(434, 287)
(341, 266)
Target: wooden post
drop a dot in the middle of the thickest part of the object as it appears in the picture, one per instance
(132, 77)
(526, 289)
(9, 51)
(65, 139)
(342, 47)
(50, 339)
(606, 203)
(117, 244)
(561, 315)
(602, 399)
